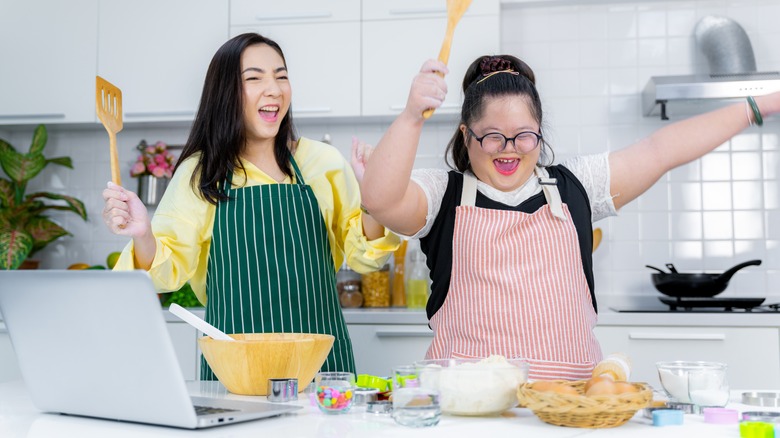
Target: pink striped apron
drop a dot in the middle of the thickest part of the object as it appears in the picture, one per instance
(518, 289)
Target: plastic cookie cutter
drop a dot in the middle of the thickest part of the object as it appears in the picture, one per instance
(375, 382)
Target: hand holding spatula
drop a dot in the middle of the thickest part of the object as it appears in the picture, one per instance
(455, 10)
(108, 103)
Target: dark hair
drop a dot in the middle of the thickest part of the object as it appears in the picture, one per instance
(218, 131)
(515, 78)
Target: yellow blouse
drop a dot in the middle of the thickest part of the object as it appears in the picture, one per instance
(183, 222)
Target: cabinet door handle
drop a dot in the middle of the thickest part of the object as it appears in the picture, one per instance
(32, 116)
(404, 334)
(324, 109)
(677, 336)
(412, 11)
(294, 16)
(443, 107)
(159, 114)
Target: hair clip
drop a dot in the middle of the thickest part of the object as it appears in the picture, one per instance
(512, 72)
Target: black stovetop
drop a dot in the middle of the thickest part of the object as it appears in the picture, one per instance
(701, 305)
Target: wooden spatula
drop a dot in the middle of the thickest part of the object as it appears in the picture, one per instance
(108, 103)
(455, 10)
(596, 238)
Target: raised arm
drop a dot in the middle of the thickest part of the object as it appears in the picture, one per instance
(634, 169)
(387, 190)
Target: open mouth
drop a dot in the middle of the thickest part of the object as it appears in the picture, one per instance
(506, 166)
(269, 113)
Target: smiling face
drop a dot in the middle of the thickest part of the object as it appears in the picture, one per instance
(267, 92)
(508, 115)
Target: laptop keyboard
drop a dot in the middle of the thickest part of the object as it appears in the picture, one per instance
(208, 410)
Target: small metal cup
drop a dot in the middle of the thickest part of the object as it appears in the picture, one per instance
(362, 396)
(282, 390)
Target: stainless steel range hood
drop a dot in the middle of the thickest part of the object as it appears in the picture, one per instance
(732, 72)
(661, 90)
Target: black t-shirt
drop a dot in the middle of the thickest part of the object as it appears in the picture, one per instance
(437, 245)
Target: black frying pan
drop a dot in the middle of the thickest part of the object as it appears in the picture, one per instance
(676, 284)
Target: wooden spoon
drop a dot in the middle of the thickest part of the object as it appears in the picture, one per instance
(108, 103)
(596, 238)
(455, 10)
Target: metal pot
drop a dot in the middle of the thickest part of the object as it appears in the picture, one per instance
(676, 284)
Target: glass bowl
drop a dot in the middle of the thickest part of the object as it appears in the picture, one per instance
(334, 391)
(474, 387)
(674, 376)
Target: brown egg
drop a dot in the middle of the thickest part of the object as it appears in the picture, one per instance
(564, 389)
(604, 387)
(595, 380)
(543, 385)
(625, 387)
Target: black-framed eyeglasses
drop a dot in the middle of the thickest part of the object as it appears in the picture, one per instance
(495, 142)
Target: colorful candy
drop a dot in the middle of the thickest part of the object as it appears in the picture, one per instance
(332, 398)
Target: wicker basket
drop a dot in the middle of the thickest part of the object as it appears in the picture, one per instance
(594, 412)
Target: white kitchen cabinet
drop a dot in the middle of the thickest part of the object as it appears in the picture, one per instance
(185, 342)
(378, 348)
(158, 53)
(400, 9)
(752, 353)
(321, 44)
(49, 63)
(254, 12)
(9, 368)
(398, 37)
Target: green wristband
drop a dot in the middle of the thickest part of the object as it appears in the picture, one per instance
(756, 112)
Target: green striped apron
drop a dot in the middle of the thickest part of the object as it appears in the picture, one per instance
(270, 268)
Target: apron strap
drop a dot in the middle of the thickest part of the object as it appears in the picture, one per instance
(551, 194)
(298, 174)
(468, 196)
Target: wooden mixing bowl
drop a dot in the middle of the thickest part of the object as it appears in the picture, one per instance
(244, 366)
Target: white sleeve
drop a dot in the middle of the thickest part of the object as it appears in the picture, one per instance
(593, 173)
(433, 183)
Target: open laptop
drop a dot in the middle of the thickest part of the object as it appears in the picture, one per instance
(94, 343)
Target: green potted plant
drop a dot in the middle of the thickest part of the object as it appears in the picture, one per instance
(24, 229)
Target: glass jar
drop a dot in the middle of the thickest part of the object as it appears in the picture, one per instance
(398, 295)
(351, 296)
(417, 277)
(346, 276)
(376, 288)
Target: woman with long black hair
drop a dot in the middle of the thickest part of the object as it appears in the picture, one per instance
(257, 220)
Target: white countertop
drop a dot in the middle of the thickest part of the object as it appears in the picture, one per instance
(19, 418)
(606, 317)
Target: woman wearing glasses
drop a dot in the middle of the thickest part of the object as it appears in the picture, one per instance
(507, 234)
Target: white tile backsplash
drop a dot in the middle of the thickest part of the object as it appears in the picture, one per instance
(718, 225)
(771, 162)
(716, 196)
(686, 226)
(716, 166)
(747, 195)
(746, 166)
(652, 52)
(685, 196)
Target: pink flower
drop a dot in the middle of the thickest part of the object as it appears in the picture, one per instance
(137, 169)
(159, 172)
(153, 160)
